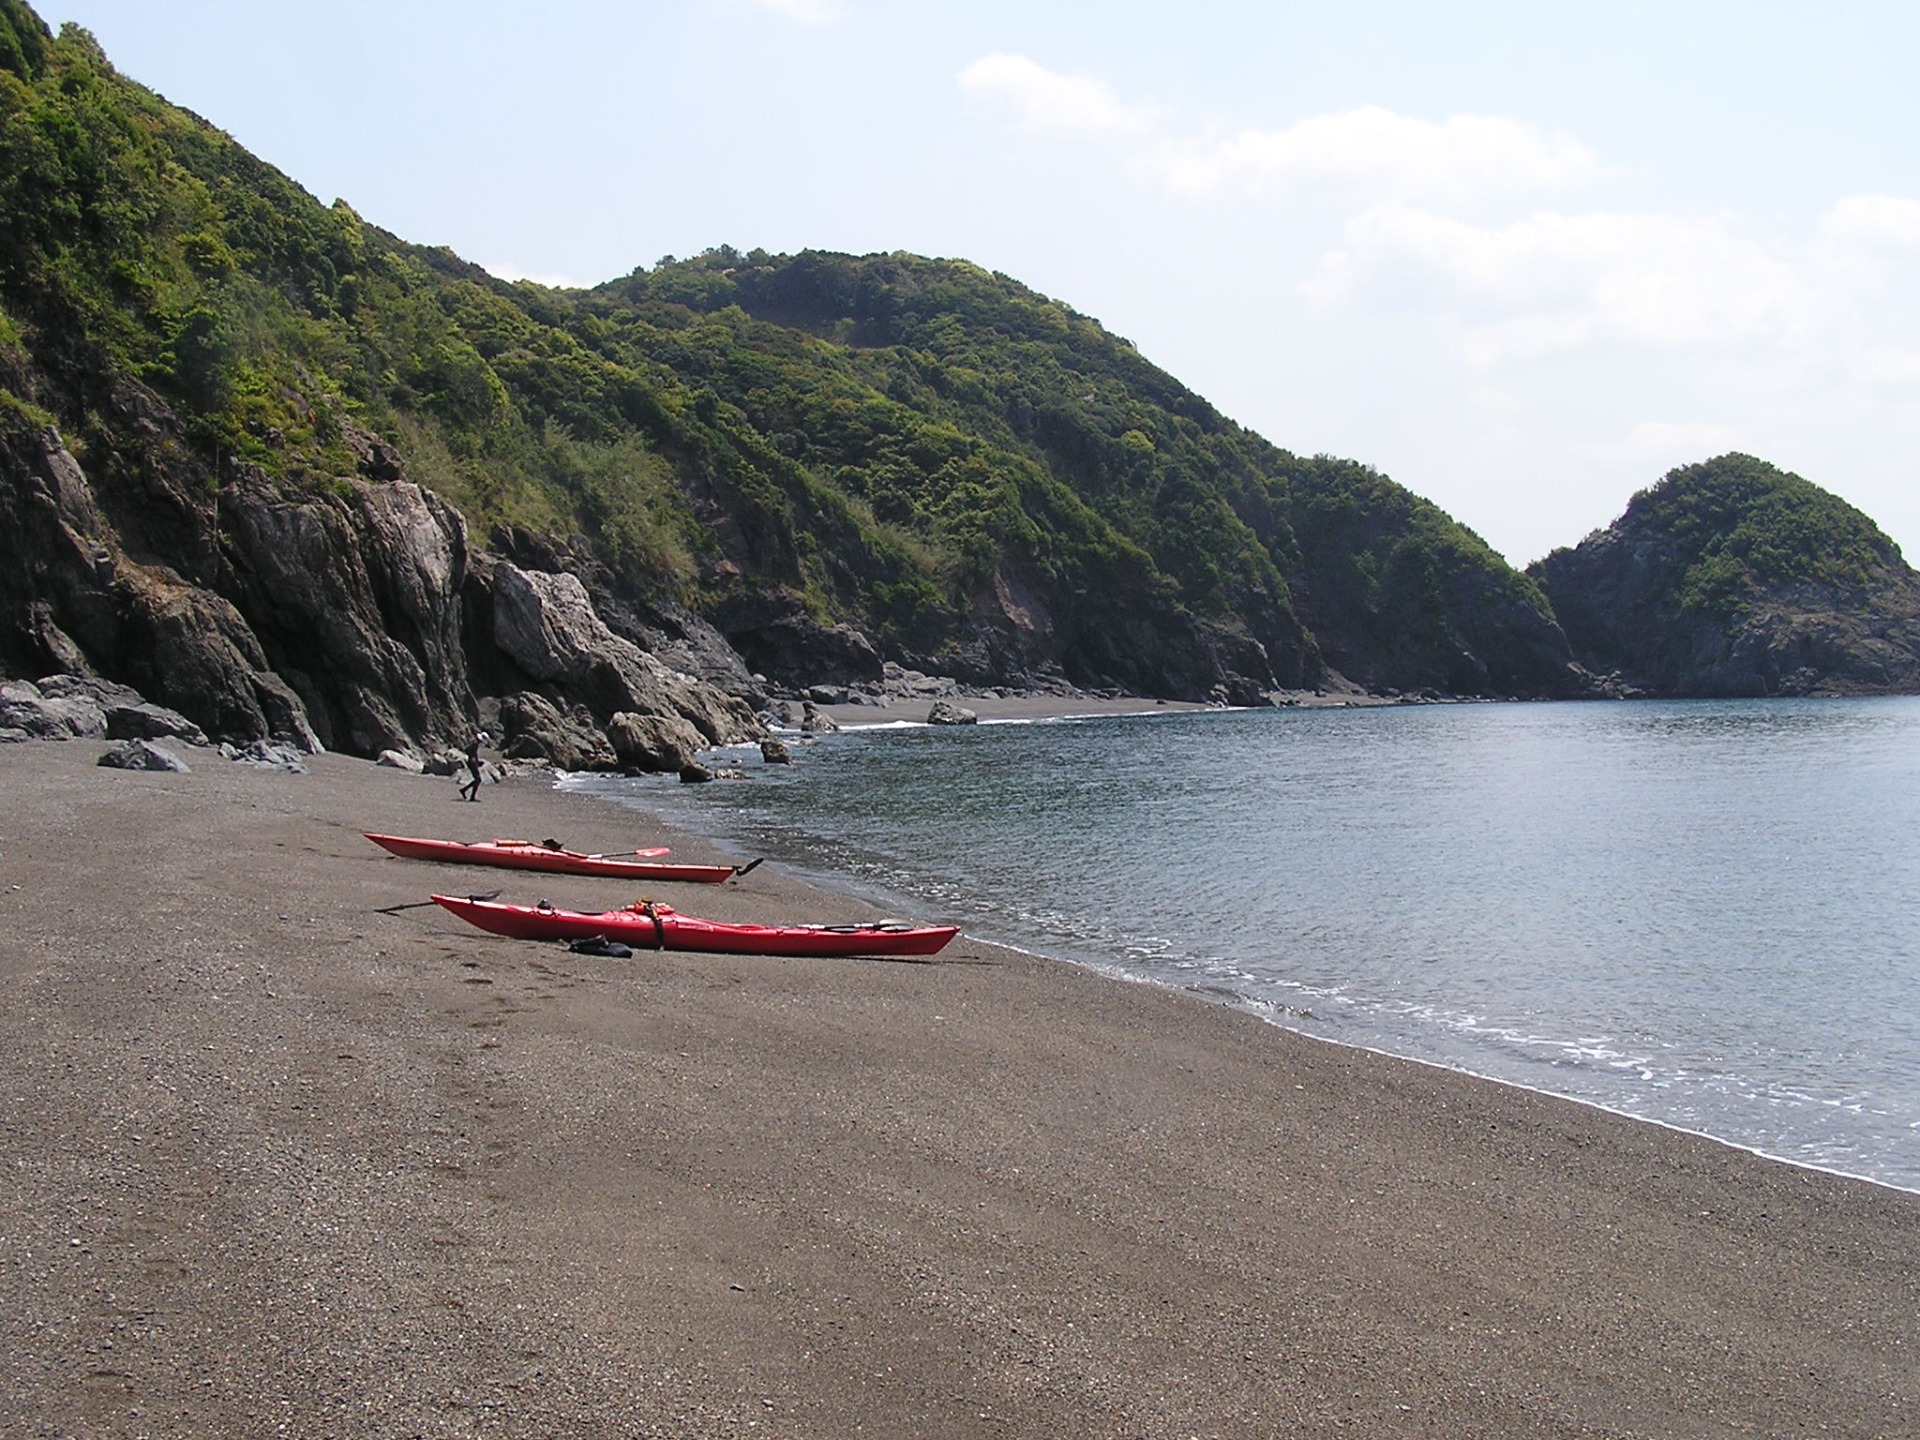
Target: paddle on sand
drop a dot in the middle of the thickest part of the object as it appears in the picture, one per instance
(415, 905)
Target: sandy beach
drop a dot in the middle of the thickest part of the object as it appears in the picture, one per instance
(275, 1163)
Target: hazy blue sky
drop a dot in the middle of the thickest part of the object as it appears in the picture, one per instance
(1523, 257)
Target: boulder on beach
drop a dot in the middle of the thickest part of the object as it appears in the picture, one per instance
(946, 713)
(269, 755)
(653, 743)
(24, 706)
(143, 755)
(143, 720)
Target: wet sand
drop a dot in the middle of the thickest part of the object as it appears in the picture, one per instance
(272, 1162)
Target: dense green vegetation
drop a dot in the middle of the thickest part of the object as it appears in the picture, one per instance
(894, 440)
(267, 319)
(1739, 527)
(1734, 531)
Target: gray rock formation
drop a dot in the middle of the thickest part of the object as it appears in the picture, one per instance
(356, 595)
(445, 761)
(548, 626)
(945, 712)
(127, 715)
(88, 605)
(654, 743)
(534, 728)
(334, 617)
(64, 707)
(676, 636)
(27, 710)
(267, 754)
(774, 633)
(143, 755)
(143, 720)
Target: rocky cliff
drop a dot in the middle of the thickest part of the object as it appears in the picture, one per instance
(1735, 578)
(334, 616)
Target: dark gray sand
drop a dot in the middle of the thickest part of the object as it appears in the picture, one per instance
(272, 1163)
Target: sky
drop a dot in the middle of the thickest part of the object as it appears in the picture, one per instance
(1525, 258)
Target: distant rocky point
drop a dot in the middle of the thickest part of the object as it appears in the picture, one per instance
(1736, 578)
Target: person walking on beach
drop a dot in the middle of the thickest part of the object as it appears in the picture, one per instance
(471, 790)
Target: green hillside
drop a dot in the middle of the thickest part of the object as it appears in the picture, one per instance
(976, 478)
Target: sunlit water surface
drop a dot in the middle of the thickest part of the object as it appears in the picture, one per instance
(1705, 914)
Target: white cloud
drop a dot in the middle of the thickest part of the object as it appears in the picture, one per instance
(1892, 367)
(1658, 445)
(1866, 241)
(808, 12)
(1556, 281)
(1873, 219)
(1370, 151)
(511, 273)
(1045, 100)
(1380, 153)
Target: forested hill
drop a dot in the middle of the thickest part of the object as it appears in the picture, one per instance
(1018, 447)
(1734, 577)
(833, 460)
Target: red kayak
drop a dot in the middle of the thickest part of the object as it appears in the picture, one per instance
(649, 925)
(553, 859)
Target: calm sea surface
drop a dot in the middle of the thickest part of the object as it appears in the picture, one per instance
(1705, 914)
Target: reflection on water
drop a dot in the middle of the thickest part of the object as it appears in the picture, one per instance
(1704, 913)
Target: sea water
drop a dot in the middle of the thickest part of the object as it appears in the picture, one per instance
(1705, 914)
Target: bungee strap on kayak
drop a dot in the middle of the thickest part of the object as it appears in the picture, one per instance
(659, 926)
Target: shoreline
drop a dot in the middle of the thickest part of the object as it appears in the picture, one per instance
(277, 1157)
(1263, 1012)
(1037, 709)
(1040, 706)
